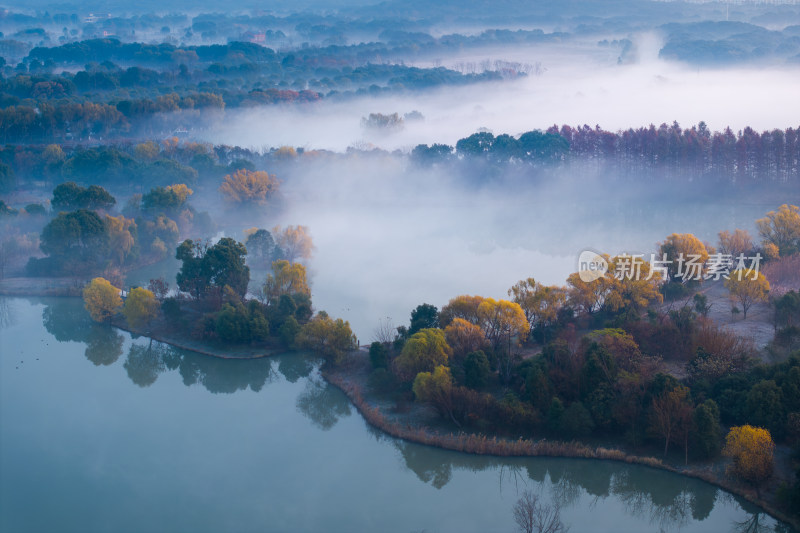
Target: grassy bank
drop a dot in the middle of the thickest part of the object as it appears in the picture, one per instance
(356, 390)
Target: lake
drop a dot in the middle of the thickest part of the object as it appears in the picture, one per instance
(103, 432)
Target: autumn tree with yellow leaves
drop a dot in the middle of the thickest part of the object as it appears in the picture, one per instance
(686, 254)
(423, 352)
(752, 451)
(747, 287)
(249, 187)
(464, 307)
(101, 299)
(121, 238)
(436, 388)
(332, 338)
(540, 303)
(141, 307)
(464, 337)
(285, 278)
(781, 228)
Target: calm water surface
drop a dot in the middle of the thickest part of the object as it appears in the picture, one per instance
(102, 432)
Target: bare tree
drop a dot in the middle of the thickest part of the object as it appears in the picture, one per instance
(385, 332)
(533, 516)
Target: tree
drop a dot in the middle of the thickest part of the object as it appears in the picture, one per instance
(765, 406)
(378, 355)
(752, 451)
(166, 198)
(502, 321)
(159, 287)
(260, 245)
(330, 338)
(70, 195)
(540, 303)
(464, 337)
(141, 306)
(680, 249)
(121, 238)
(249, 187)
(423, 352)
(576, 421)
(294, 241)
(101, 299)
(78, 239)
(734, 244)
(782, 228)
(670, 414)
(464, 307)
(225, 264)
(424, 316)
(634, 285)
(706, 431)
(476, 369)
(533, 516)
(436, 388)
(205, 267)
(589, 296)
(286, 278)
(748, 287)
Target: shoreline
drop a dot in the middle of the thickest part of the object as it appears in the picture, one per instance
(203, 349)
(479, 444)
(471, 443)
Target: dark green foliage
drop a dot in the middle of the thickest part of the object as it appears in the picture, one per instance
(36, 210)
(75, 241)
(171, 307)
(378, 355)
(600, 369)
(288, 331)
(674, 290)
(260, 246)
(304, 309)
(107, 163)
(544, 147)
(476, 369)
(161, 199)
(70, 195)
(213, 267)
(426, 155)
(764, 407)
(424, 316)
(701, 305)
(576, 421)
(241, 324)
(555, 415)
(381, 380)
(787, 310)
(730, 393)
(706, 433)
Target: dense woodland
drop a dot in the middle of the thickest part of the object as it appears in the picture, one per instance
(89, 108)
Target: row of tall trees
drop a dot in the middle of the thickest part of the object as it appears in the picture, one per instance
(743, 157)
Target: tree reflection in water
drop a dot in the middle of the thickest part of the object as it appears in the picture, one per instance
(144, 363)
(666, 500)
(103, 345)
(67, 320)
(6, 313)
(322, 403)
